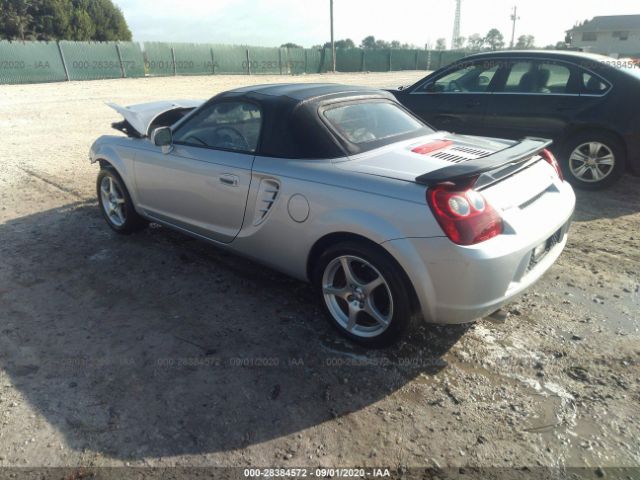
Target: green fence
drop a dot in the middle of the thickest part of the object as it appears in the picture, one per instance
(230, 59)
(158, 59)
(131, 58)
(91, 60)
(29, 62)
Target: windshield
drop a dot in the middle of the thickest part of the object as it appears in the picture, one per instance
(369, 121)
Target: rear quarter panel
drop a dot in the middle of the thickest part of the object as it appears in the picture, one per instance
(376, 208)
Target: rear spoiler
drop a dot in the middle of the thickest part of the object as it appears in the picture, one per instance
(500, 164)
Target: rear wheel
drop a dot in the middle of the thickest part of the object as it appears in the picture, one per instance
(364, 293)
(593, 160)
(115, 203)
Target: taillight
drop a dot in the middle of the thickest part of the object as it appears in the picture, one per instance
(551, 160)
(464, 214)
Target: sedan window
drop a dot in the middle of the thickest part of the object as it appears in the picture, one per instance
(225, 125)
(546, 77)
(474, 78)
(520, 79)
(592, 85)
(368, 121)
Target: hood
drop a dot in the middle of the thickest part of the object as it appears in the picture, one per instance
(418, 156)
(143, 115)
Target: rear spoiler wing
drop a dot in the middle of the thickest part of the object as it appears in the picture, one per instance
(493, 167)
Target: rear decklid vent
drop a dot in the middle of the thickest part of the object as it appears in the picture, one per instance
(446, 150)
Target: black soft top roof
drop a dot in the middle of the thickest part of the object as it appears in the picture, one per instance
(292, 125)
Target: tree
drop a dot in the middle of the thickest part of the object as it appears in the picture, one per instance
(16, 19)
(526, 41)
(368, 42)
(346, 43)
(62, 20)
(494, 39)
(475, 42)
(441, 44)
(291, 45)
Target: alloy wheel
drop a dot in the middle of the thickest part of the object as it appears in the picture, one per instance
(592, 162)
(357, 296)
(113, 201)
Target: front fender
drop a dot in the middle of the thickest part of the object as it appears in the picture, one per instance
(116, 152)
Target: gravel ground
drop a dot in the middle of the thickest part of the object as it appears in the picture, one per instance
(156, 349)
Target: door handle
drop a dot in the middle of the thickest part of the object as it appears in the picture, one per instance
(229, 179)
(473, 104)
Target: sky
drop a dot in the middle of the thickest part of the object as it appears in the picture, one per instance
(306, 22)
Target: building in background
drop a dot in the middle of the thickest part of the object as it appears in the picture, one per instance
(614, 35)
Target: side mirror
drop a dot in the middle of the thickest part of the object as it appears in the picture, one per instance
(162, 137)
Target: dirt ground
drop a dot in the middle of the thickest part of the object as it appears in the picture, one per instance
(160, 350)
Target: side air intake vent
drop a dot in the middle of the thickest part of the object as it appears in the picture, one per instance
(267, 196)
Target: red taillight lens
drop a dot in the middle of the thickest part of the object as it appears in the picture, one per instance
(464, 215)
(551, 160)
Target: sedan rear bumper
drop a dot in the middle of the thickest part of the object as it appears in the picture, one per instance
(457, 284)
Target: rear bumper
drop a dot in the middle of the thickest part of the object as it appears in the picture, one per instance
(456, 284)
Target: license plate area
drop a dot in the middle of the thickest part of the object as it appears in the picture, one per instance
(541, 251)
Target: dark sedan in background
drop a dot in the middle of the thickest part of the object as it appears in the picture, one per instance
(588, 104)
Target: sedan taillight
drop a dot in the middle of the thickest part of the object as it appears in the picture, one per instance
(551, 160)
(464, 215)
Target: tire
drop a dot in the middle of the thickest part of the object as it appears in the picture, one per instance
(112, 193)
(380, 315)
(591, 146)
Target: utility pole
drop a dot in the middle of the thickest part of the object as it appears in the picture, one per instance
(333, 43)
(514, 19)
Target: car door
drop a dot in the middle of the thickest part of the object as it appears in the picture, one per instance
(202, 183)
(535, 98)
(455, 100)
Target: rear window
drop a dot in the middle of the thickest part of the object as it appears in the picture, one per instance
(365, 122)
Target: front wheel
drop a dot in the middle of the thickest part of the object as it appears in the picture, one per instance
(115, 203)
(363, 293)
(593, 160)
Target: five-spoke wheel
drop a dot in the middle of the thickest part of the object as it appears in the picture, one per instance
(364, 292)
(115, 203)
(112, 201)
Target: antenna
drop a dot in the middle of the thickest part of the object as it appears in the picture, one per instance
(456, 25)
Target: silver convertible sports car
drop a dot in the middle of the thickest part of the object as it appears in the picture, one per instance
(343, 187)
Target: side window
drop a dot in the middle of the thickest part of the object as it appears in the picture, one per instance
(592, 85)
(548, 77)
(226, 125)
(553, 78)
(520, 79)
(474, 78)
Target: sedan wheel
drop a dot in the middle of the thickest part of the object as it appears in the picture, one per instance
(365, 294)
(357, 296)
(592, 162)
